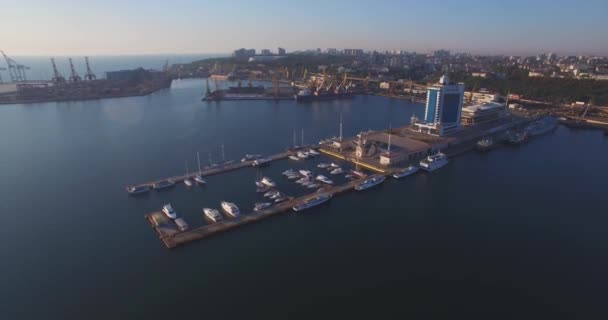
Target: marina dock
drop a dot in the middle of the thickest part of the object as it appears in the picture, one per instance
(412, 152)
(213, 170)
(171, 237)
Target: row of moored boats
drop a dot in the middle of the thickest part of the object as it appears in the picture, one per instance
(164, 184)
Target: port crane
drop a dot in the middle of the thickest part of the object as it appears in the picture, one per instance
(89, 75)
(15, 70)
(74, 77)
(57, 77)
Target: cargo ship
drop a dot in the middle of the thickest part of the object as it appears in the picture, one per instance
(306, 95)
(542, 126)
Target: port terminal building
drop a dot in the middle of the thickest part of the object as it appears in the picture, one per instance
(482, 113)
(443, 108)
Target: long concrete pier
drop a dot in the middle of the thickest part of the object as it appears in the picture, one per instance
(172, 238)
(213, 170)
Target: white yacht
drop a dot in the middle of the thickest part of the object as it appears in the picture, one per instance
(261, 162)
(261, 206)
(305, 173)
(268, 182)
(213, 214)
(199, 179)
(302, 155)
(337, 170)
(169, 212)
(370, 183)
(434, 162)
(322, 165)
(231, 208)
(313, 152)
(359, 174)
(405, 172)
(188, 182)
(288, 172)
(334, 165)
(270, 193)
(259, 184)
(294, 158)
(324, 179)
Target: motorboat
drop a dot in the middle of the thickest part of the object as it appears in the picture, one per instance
(434, 162)
(212, 214)
(138, 189)
(370, 183)
(261, 206)
(261, 162)
(188, 182)
(249, 157)
(305, 173)
(302, 155)
(163, 184)
(405, 172)
(230, 208)
(322, 165)
(294, 158)
(199, 179)
(324, 179)
(268, 182)
(169, 212)
(337, 171)
(313, 152)
(315, 201)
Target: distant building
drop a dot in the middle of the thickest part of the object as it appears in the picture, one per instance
(243, 53)
(266, 52)
(395, 62)
(135, 75)
(479, 74)
(281, 51)
(480, 96)
(443, 108)
(332, 51)
(482, 113)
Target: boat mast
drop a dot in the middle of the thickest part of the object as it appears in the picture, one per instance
(187, 169)
(223, 155)
(302, 137)
(198, 159)
(389, 139)
(340, 126)
(210, 158)
(294, 138)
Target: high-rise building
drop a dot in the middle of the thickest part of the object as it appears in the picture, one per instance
(443, 108)
(266, 52)
(281, 51)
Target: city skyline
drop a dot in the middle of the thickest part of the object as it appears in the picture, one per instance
(189, 27)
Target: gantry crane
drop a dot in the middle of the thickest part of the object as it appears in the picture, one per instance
(74, 77)
(15, 70)
(57, 77)
(89, 75)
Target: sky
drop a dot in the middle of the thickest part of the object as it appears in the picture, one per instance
(115, 27)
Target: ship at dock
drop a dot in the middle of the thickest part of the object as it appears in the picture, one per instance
(324, 88)
(542, 126)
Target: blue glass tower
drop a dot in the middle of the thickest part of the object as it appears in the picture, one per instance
(443, 108)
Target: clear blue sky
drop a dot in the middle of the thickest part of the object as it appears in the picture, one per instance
(187, 26)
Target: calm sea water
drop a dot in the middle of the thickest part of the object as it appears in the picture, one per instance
(517, 232)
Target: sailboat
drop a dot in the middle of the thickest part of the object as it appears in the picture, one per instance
(198, 177)
(187, 181)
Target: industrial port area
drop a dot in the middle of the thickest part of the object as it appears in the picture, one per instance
(74, 87)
